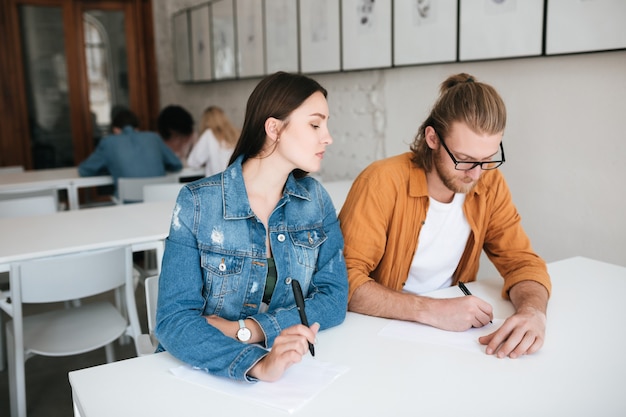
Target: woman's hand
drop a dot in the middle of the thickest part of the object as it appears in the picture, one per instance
(289, 348)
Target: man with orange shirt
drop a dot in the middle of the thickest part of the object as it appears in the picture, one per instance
(419, 221)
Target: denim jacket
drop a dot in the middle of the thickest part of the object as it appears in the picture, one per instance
(215, 263)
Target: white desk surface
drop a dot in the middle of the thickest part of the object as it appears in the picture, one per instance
(581, 370)
(67, 179)
(36, 179)
(77, 230)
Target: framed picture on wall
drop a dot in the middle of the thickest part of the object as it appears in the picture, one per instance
(425, 31)
(201, 44)
(281, 35)
(582, 26)
(319, 36)
(223, 39)
(366, 30)
(491, 29)
(249, 20)
(182, 55)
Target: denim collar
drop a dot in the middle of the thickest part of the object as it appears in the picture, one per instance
(236, 203)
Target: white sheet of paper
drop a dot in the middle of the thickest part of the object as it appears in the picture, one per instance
(300, 383)
(421, 333)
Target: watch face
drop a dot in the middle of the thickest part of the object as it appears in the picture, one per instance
(244, 334)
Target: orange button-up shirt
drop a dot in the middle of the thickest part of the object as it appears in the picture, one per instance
(386, 207)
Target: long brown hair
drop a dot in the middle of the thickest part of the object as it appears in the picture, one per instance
(277, 95)
(461, 99)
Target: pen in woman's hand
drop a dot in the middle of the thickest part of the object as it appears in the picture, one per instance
(297, 295)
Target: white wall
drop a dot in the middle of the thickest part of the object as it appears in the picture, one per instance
(565, 142)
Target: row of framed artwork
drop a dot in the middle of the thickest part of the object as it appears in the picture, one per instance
(228, 39)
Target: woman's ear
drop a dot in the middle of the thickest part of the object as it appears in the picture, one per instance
(272, 128)
(431, 137)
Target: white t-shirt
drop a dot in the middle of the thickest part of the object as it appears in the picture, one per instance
(208, 151)
(441, 244)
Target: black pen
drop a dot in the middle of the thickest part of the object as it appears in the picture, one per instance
(466, 291)
(297, 295)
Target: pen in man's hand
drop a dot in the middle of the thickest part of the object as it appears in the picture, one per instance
(297, 295)
(466, 291)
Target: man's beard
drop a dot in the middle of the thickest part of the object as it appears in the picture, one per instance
(452, 182)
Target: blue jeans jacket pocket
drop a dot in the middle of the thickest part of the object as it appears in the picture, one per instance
(222, 273)
(306, 244)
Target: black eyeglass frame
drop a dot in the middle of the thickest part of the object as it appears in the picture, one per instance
(474, 163)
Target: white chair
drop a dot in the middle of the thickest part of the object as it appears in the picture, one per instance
(161, 192)
(11, 169)
(63, 331)
(338, 191)
(20, 204)
(147, 343)
(27, 205)
(131, 189)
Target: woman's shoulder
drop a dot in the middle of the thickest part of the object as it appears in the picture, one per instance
(205, 183)
(201, 193)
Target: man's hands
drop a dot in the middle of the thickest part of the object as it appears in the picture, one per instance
(289, 348)
(456, 314)
(524, 332)
(521, 334)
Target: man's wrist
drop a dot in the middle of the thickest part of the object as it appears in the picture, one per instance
(421, 312)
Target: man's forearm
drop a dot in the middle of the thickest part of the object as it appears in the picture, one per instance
(374, 299)
(529, 295)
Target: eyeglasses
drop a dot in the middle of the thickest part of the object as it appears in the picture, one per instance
(468, 165)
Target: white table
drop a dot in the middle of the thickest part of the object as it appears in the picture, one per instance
(66, 179)
(52, 179)
(581, 370)
(144, 226)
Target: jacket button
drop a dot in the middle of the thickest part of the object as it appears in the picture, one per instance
(281, 237)
(288, 280)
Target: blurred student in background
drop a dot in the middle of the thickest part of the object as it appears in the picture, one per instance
(176, 127)
(216, 144)
(129, 152)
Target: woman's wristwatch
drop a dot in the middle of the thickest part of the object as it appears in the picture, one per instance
(243, 334)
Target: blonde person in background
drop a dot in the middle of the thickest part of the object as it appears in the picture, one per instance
(216, 144)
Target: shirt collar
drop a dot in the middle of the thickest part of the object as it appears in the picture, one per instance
(236, 203)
